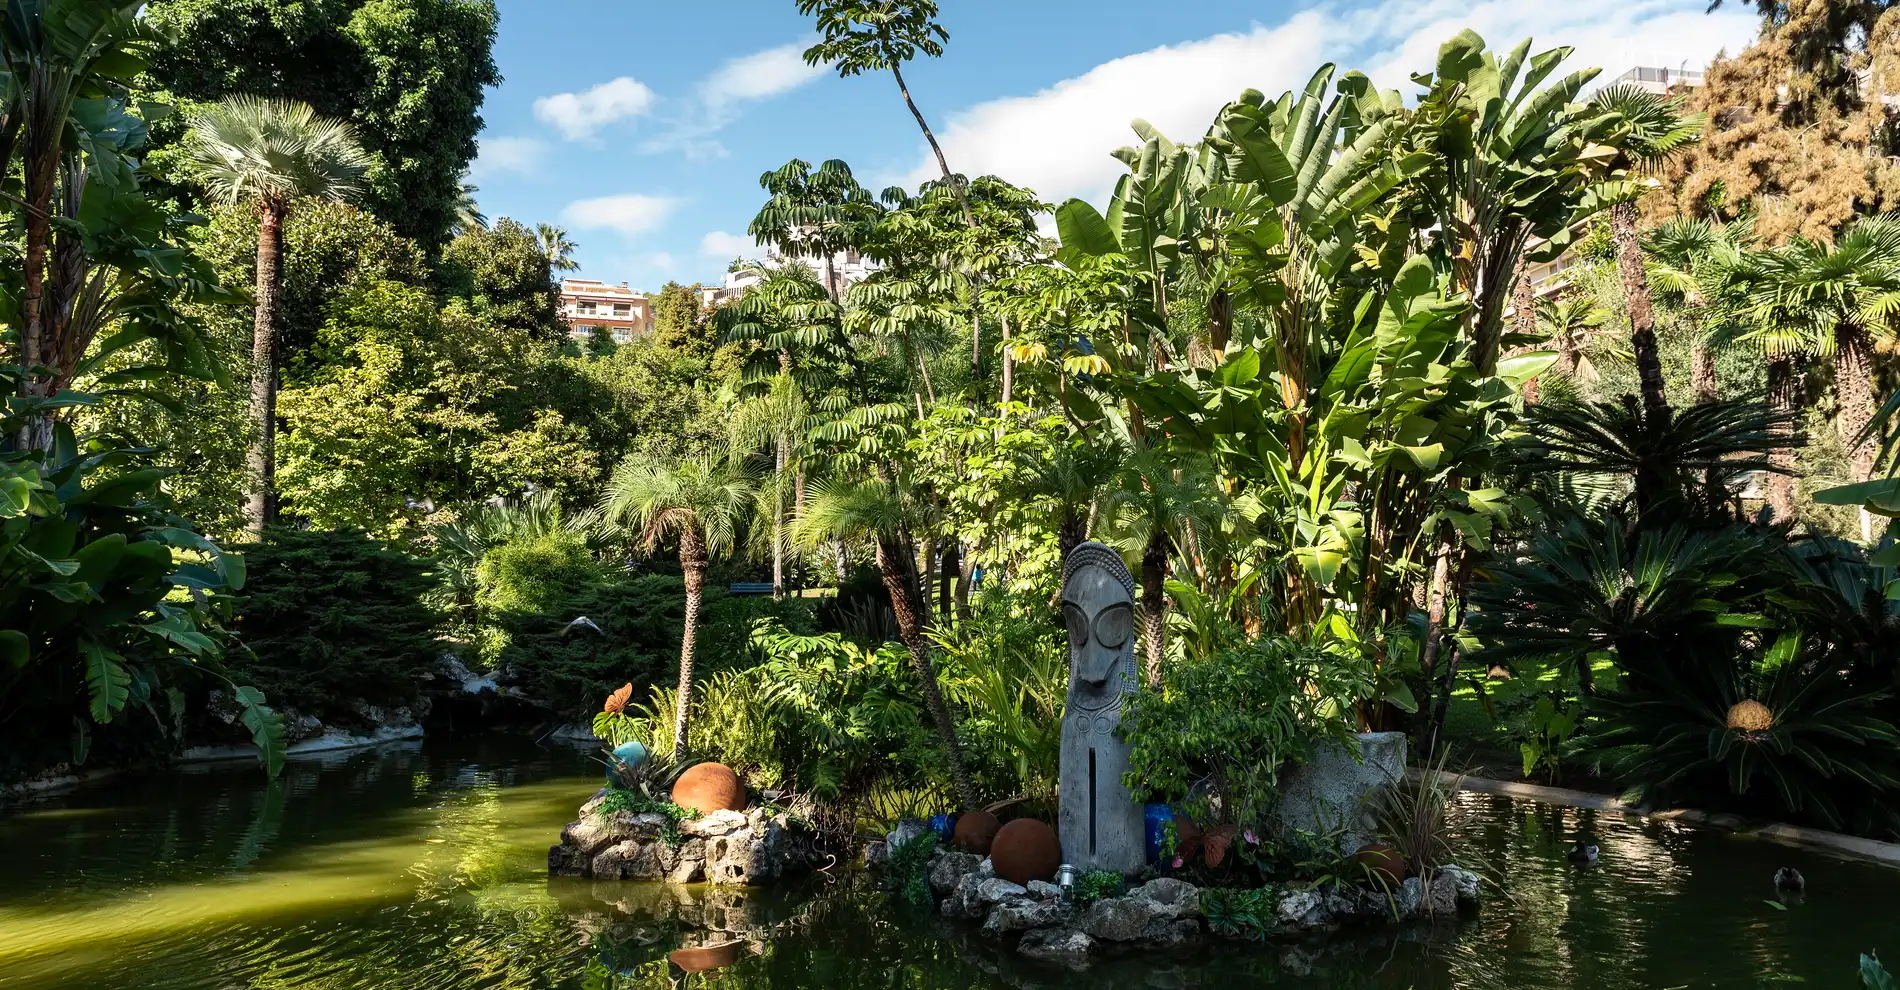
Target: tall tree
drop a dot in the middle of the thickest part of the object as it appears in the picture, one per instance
(698, 503)
(889, 514)
(468, 213)
(874, 35)
(269, 153)
(1691, 261)
(1648, 132)
(814, 214)
(558, 248)
(680, 322)
(504, 274)
(410, 75)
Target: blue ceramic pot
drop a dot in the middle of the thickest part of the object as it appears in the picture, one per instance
(630, 753)
(1154, 820)
(945, 826)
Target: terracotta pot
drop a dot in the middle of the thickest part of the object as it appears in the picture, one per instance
(709, 787)
(1187, 838)
(976, 830)
(1381, 858)
(1025, 850)
(702, 959)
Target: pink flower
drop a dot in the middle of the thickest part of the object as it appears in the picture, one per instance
(1252, 838)
(1177, 862)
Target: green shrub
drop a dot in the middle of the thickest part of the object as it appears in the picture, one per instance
(1237, 717)
(331, 618)
(534, 571)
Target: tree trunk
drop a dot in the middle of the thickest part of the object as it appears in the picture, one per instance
(1154, 602)
(949, 563)
(1434, 632)
(1220, 323)
(41, 172)
(1701, 366)
(926, 588)
(261, 459)
(1524, 318)
(1629, 264)
(966, 576)
(1854, 387)
(693, 563)
(1437, 726)
(942, 162)
(832, 288)
(778, 519)
(900, 580)
(1784, 397)
(1009, 365)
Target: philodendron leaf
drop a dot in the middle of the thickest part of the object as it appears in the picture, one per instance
(267, 728)
(108, 680)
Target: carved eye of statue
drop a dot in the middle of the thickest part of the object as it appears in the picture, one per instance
(1114, 625)
(1078, 623)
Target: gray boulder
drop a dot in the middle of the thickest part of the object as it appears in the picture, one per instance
(1065, 946)
(1165, 934)
(1022, 913)
(1119, 919)
(1044, 890)
(1301, 909)
(949, 868)
(1441, 896)
(1465, 882)
(1171, 898)
(996, 889)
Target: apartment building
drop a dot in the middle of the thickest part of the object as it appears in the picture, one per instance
(848, 268)
(626, 313)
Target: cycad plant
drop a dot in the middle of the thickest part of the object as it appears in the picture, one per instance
(698, 503)
(268, 154)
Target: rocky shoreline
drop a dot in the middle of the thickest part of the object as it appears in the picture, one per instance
(1167, 913)
(730, 848)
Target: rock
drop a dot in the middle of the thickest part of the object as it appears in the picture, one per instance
(950, 868)
(1466, 883)
(907, 829)
(985, 869)
(1056, 945)
(996, 889)
(588, 836)
(631, 859)
(1441, 895)
(1118, 919)
(709, 787)
(1171, 934)
(593, 802)
(1044, 891)
(1408, 896)
(1332, 789)
(1301, 909)
(1019, 913)
(876, 853)
(962, 902)
(1171, 898)
(651, 819)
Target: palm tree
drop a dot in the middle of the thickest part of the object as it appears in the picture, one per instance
(1650, 130)
(468, 213)
(1834, 303)
(887, 512)
(1569, 321)
(555, 244)
(1163, 506)
(1074, 476)
(1691, 261)
(874, 35)
(700, 502)
(268, 153)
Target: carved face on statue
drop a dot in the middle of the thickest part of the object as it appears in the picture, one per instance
(1098, 607)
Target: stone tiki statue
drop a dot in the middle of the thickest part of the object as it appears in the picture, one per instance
(1099, 823)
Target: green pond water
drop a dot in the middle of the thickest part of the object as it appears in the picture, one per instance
(424, 867)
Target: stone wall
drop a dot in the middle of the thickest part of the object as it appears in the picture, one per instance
(725, 847)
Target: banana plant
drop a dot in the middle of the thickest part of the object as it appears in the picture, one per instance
(108, 600)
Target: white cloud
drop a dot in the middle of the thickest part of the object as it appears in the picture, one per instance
(631, 214)
(723, 94)
(758, 75)
(725, 247)
(580, 115)
(509, 154)
(1057, 141)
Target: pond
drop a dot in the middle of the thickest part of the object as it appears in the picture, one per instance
(424, 867)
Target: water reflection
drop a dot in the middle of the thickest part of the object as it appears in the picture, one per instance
(424, 867)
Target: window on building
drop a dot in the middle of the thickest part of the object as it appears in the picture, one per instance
(621, 309)
(622, 334)
(586, 307)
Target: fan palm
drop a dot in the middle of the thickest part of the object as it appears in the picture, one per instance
(1833, 302)
(699, 502)
(556, 245)
(1691, 262)
(268, 153)
(1569, 321)
(1648, 130)
(1162, 506)
(468, 216)
(887, 512)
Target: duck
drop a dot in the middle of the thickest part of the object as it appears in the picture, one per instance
(1790, 879)
(1584, 853)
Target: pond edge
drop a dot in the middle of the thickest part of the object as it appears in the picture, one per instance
(1789, 835)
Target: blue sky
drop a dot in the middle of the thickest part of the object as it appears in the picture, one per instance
(642, 128)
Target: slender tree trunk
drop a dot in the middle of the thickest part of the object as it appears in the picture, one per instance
(966, 576)
(832, 288)
(1154, 602)
(900, 579)
(41, 172)
(926, 564)
(261, 459)
(949, 563)
(778, 518)
(942, 162)
(1009, 365)
(1854, 386)
(1524, 318)
(1701, 365)
(1629, 264)
(1457, 655)
(1784, 389)
(1220, 323)
(693, 563)
(1434, 630)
